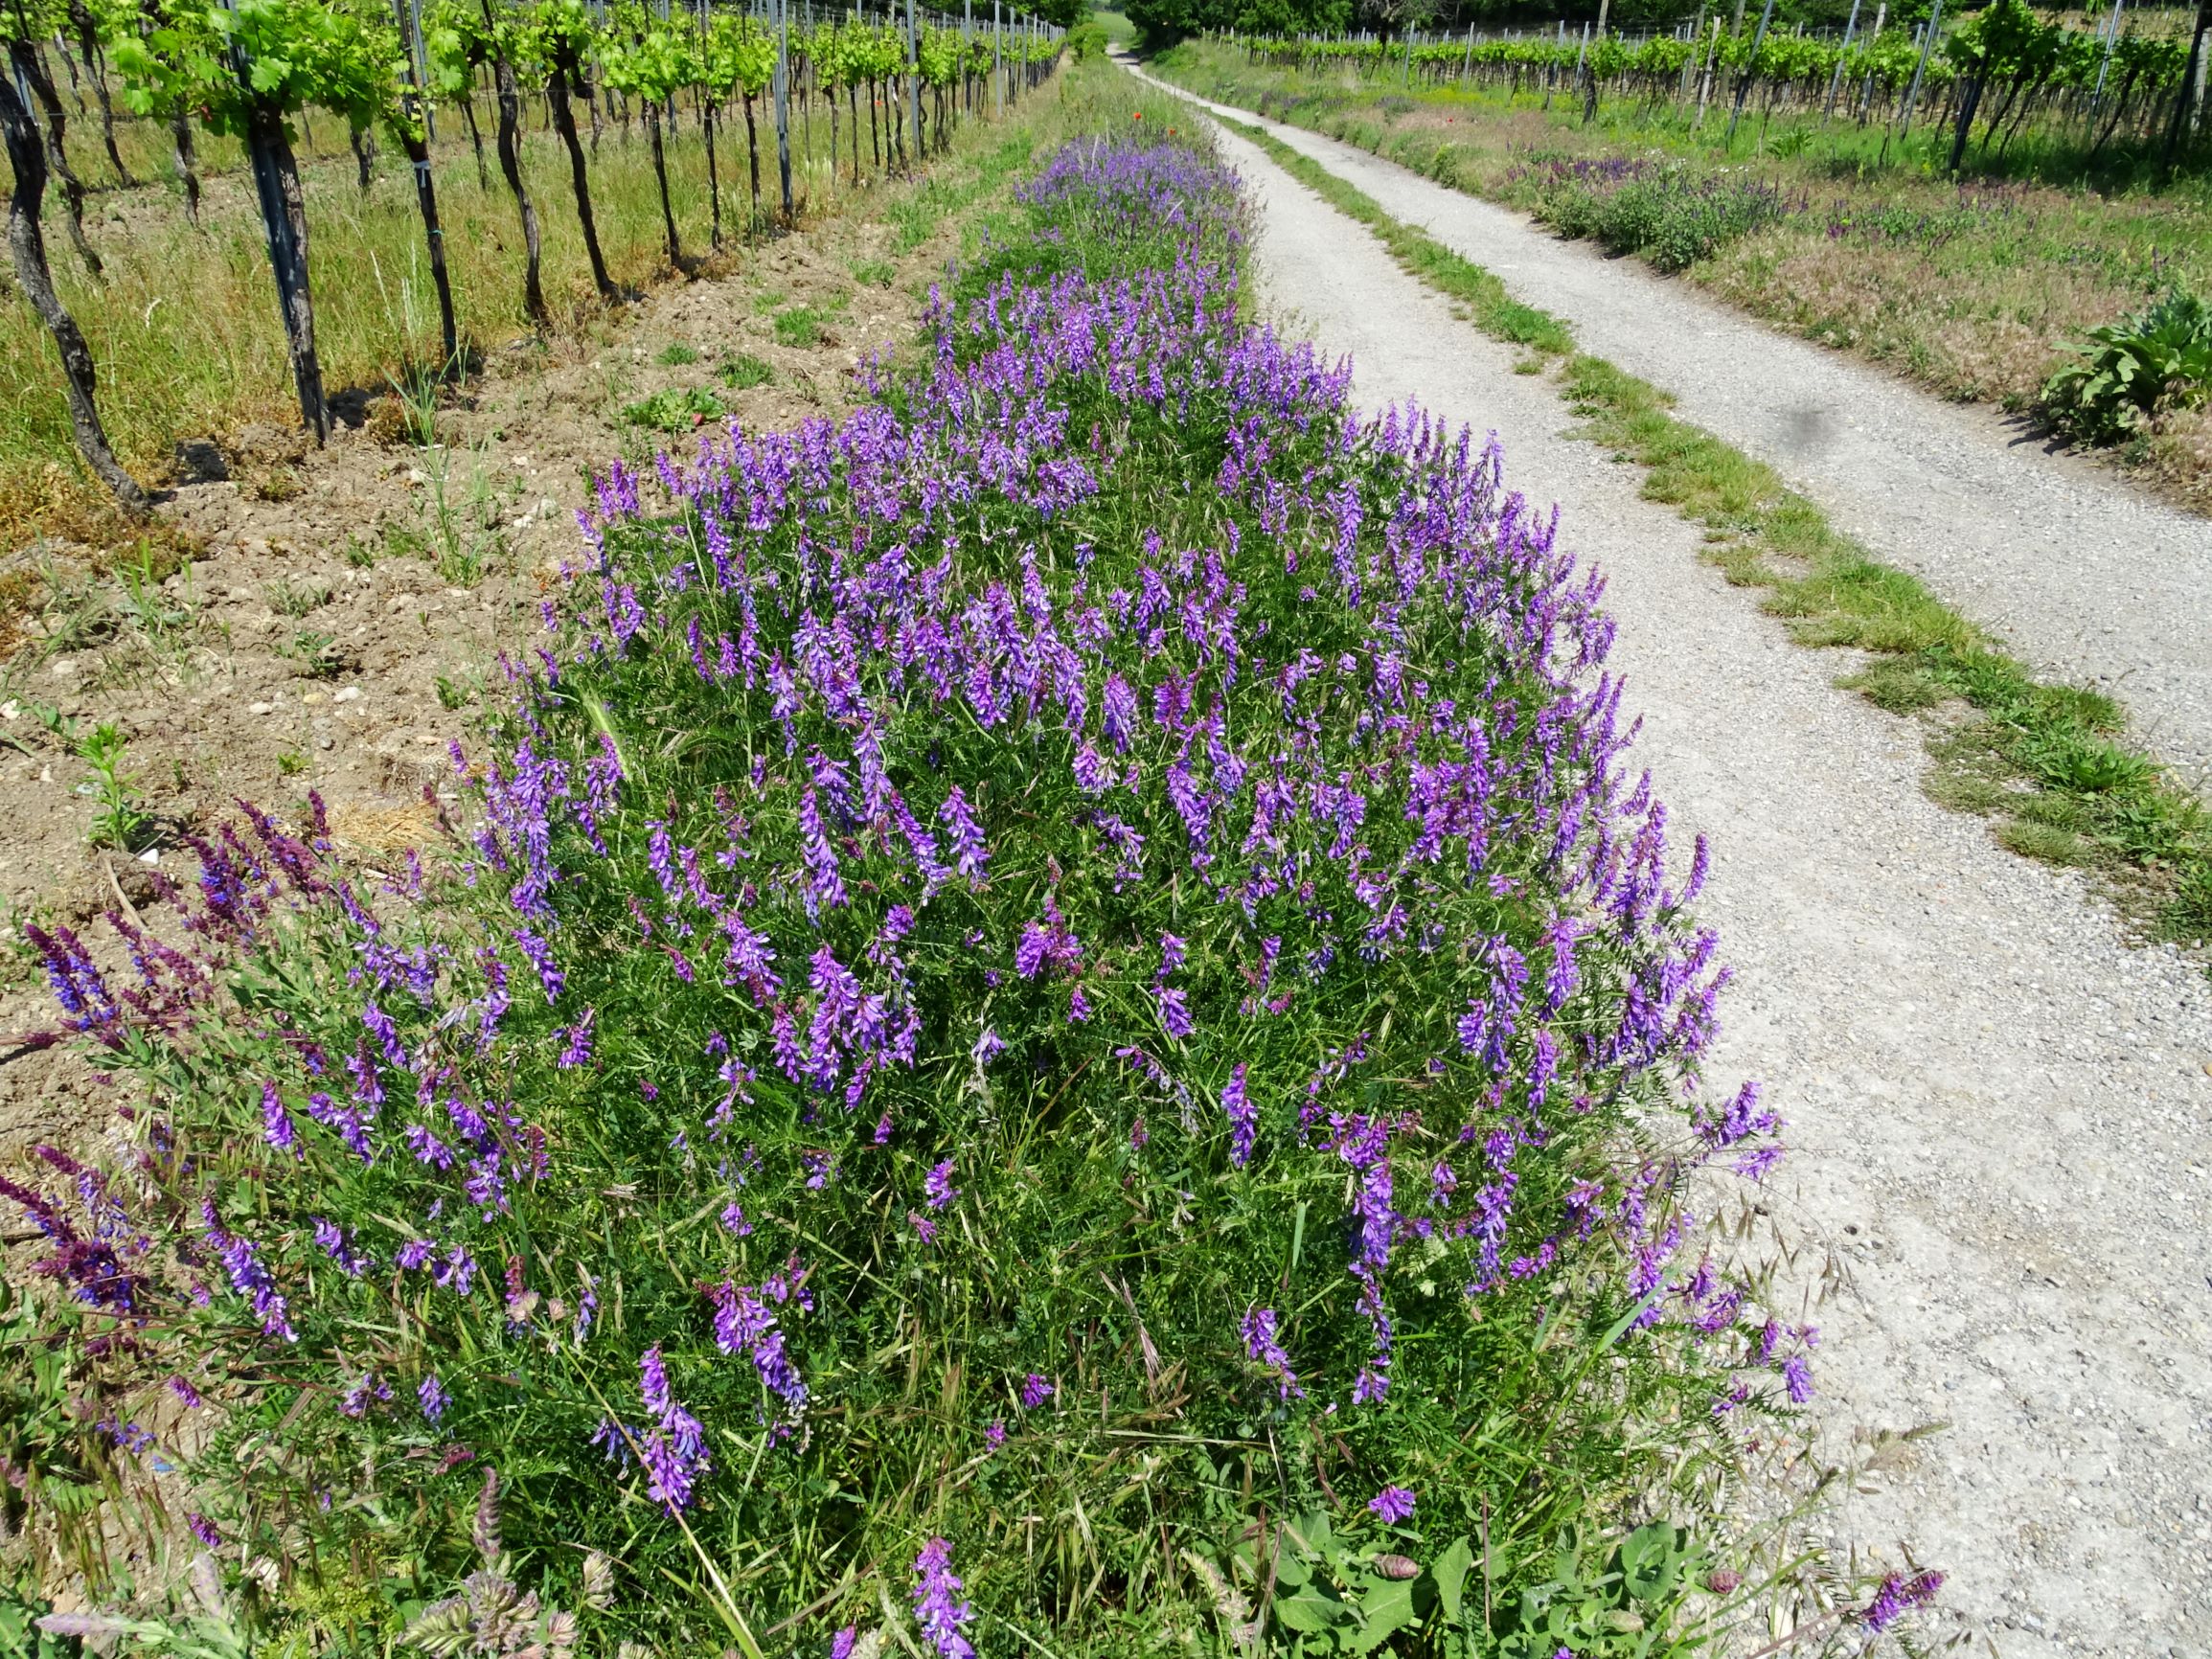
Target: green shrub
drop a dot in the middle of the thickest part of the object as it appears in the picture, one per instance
(2128, 371)
(1670, 214)
(799, 326)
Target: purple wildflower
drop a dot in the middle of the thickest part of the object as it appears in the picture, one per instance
(575, 1051)
(942, 1619)
(369, 1389)
(1797, 1378)
(1174, 1013)
(1899, 1596)
(248, 1276)
(743, 1325)
(433, 1398)
(1035, 1392)
(938, 1188)
(969, 854)
(1244, 1116)
(673, 1447)
(339, 1248)
(1393, 1504)
(277, 1122)
(1266, 1349)
(203, 1528)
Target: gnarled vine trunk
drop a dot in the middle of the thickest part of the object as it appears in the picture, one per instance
(187, 165)
(285, 218)
(81, 20)
(27, 159)
(753, 156)
(511, 165)
(660, 173)
(475, 139)
(558, 92)
(713, 173)
(31, 69)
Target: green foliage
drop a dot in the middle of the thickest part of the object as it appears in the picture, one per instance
(289, 598)
(799, 326)
(1304, 1586)
(2160, 358)
(1087, 40)
(1160, 23)
(675, 409)
(21, 1606)
(316, 655)
(677, 355)
(119, 819)
(52, 1463)
(1673, 215)
(742, 372)
(295, 53)
(1622, 1600)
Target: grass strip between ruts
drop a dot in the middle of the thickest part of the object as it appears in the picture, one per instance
(2049, 763)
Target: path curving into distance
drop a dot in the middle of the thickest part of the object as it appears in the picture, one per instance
(2000, 1156)
(2082, 577)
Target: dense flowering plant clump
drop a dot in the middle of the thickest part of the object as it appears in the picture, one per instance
(1076, 941)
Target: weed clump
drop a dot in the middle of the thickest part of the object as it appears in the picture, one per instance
(674, 409)
(742, 372)
(2131, 371)
(1672, 214)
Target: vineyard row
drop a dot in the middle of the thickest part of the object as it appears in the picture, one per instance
(2004, 66)
(251, 70)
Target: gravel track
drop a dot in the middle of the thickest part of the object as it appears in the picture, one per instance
(2081, 576)
(1999, 1160)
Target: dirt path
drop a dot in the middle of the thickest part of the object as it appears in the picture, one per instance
(1998, 1111)
(2081, 576)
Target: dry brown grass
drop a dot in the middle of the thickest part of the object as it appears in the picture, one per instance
(2179, 457)
(365, 828)
(1992, 335)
